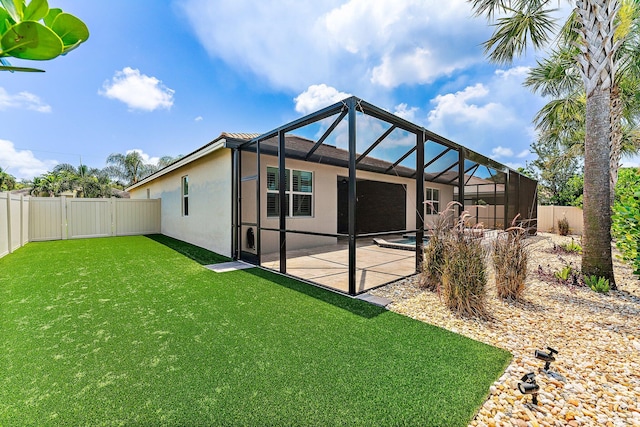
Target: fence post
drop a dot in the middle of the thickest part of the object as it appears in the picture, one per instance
(63, 217)
(21, 220)
(9, 222)
(114, 218)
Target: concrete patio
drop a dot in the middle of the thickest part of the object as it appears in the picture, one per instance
(329, 265)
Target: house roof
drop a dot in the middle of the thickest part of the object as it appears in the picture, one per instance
(244, 136)
(206, 149)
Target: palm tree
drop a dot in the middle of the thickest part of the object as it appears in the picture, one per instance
(165, 161)
(562, 119)
(531, 22)
(87, 181)
(128, 167)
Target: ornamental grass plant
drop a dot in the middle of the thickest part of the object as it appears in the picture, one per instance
(510, 258)
(464, 277)
(434, 250)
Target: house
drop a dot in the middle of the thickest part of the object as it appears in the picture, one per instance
(340, 191)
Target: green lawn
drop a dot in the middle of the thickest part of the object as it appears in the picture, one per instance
(129, 331)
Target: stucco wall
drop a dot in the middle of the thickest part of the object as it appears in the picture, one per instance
(325, 200)
(208, 224)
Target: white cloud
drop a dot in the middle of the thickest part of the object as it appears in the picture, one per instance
(418, 66)
(518, 72)
(22, 163)
(344, 43)
(317, 97)
(198, 119)
(146, 158)
(404, 111)
(22, 100)
(492, 117)
(502, 152)
(138, 91)
(468, 106)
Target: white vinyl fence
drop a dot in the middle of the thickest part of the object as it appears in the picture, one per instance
(14, 222)
(30, 219)
(548, 217)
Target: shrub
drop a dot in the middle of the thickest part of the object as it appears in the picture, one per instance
(597, 284)
(625, 225)
(563, 226)
(510, 263)
(572, 247)
(434, 254)
(464, 275)
(434, 250)
(564, 274)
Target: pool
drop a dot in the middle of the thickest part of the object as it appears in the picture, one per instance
(406, 243)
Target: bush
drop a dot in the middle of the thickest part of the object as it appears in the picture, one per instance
(625, 225)
(563, 226)
(434, 250)
(597, 284)
(565, 273)
(510, 263)
(464, 277)
(572, 247)
(434, 253)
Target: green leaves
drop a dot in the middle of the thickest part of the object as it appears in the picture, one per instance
(36, 32)
(625, 225)
(31, 40)
(14, 8)
(70, 29)
(36, 10)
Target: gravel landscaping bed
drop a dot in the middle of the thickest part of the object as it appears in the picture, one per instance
(597, 337)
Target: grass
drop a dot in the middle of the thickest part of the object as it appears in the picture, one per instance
(123, 331)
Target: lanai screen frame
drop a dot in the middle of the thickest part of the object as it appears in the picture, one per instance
(348, 108)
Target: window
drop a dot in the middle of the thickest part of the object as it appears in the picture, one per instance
(432, 201)
(185, 195)
(298, 189)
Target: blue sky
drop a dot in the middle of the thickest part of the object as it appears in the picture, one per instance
(166, 77)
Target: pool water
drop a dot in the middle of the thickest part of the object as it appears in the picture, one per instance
(408, 240)
(404, 241)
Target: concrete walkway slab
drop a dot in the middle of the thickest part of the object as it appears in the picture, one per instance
(229, 266)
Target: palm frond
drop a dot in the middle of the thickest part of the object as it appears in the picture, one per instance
(556, 75)
(489, 8)
(532, 24)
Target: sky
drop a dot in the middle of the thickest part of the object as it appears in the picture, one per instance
(165, 77)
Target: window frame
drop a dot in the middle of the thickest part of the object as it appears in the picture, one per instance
(432, 205)
(289, 192)
(184, 194)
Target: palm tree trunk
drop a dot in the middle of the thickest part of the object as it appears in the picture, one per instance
(596, 253)
(616, 141)
(597, 69)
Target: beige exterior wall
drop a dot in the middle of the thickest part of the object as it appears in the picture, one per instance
(14, 222)
(325, 202)
(208, 224)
